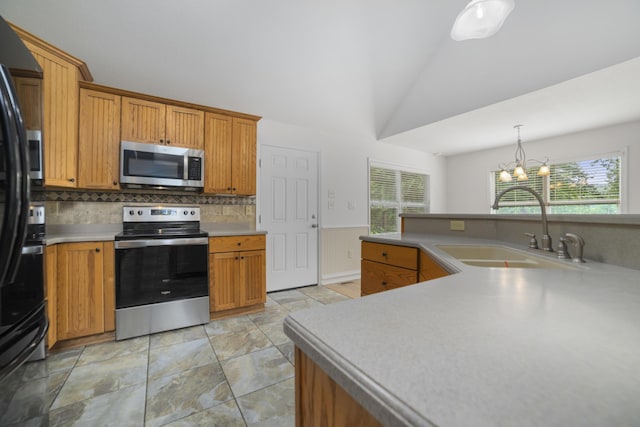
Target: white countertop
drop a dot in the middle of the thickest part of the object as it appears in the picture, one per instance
(486, 346)
(66, 233)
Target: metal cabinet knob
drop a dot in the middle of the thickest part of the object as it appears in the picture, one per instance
(72, 180)
(97, 249)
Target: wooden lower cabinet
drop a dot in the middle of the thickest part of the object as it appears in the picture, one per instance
(237, 278)
(430, 269)
(84, 289)
(385, 267)
(320, 401)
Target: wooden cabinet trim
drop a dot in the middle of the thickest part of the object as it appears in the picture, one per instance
(27, 36)
(152, 98)
(109, 274)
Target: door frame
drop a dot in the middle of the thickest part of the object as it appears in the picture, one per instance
(259, 197)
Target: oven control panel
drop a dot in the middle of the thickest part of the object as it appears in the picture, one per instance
(160, 213)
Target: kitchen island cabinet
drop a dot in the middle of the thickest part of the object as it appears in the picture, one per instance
(157, 123)
(99, 140)
(84, 289)
(230, 147)
(484, 346)
(237, 272)
(385, 266)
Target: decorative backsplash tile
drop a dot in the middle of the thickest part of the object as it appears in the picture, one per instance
(85, 207)
(142, 197)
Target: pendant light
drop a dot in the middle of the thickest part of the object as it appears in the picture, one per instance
(481, 19)
(519, 165)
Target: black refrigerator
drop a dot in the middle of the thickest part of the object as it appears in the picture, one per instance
(23, 322)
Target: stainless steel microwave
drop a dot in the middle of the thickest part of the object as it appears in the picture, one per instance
(161, 166)
(34, 144)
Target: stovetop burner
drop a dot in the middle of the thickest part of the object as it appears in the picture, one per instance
(161, 222)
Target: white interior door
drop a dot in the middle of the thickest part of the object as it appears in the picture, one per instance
(289, 214)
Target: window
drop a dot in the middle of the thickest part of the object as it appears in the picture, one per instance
(589, 186)
(392, 192)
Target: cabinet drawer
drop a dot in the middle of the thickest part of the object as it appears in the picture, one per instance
(400, 256)
(376, 277)
(430, 269)
(237, 243)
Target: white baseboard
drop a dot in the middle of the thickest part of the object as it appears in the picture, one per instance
(345, 276)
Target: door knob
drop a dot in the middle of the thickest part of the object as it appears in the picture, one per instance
(314, 225)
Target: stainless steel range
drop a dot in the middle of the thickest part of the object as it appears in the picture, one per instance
(161, 270)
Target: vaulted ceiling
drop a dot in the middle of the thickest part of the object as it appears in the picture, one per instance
(379, 68)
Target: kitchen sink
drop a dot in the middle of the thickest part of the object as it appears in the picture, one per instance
(500, 257)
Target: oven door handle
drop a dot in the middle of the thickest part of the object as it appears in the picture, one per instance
(190, 241)
(32, 250)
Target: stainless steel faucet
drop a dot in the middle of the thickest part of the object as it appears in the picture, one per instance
(578, 246)
(546, 239)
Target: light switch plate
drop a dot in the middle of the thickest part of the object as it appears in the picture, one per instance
(456, 225)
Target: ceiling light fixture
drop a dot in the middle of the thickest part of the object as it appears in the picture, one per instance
(520, 165)
(481, 19)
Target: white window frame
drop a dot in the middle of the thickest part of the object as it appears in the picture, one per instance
(398, 168)
(622, 153)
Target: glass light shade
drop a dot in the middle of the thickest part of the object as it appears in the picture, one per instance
(544, 170)
(523, 177)
(481, 19)
(505, 176)
(518, 172)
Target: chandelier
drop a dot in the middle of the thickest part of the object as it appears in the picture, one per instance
(520, 166)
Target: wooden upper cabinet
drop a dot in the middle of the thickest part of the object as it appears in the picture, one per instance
(158, 123)
(30, 95)
(244, 156)
(185, 127)
(60, 114)
(218, 151)
(230, 162)
(99, 140)
(143, 121)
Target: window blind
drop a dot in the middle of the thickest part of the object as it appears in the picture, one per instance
(585, 186)
(392, 192)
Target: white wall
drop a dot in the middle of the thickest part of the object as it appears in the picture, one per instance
(343, 168)
(467, 184)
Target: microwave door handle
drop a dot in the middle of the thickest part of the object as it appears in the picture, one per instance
(13, 229)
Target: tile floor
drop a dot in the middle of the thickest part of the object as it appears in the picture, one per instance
(231, 372)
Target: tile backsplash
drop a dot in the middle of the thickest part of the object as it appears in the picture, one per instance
(86, 207)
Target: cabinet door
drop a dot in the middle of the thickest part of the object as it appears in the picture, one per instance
(60, 115)
(80, 290)
(143, 121)
(243, 158)
(185, 127)
(217, 146)
(30, 95)
(253, 289)
(51, 279)
(99, 140)
(377, 277)
(223, 281)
